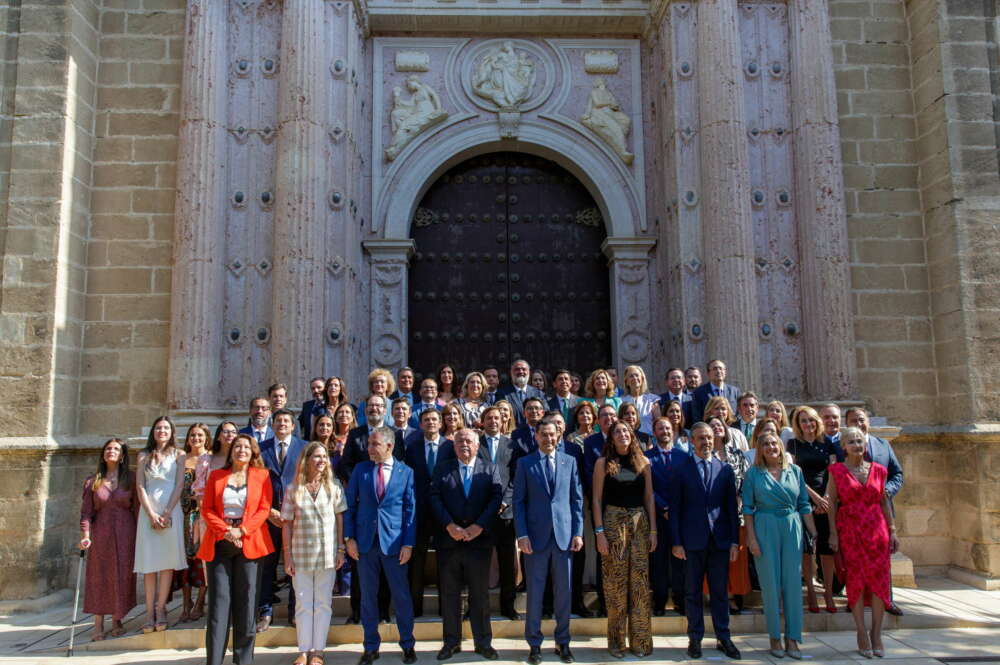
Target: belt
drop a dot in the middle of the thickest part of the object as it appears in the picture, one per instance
(234, 521)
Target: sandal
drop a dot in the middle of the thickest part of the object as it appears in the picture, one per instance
(148, 628)
(98, 637)
(117, 631)
(197, 614)
(300, 659)
(316, 659)
(161, 620)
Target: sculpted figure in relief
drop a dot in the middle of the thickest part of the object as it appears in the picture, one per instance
(505, 77)
(604, 117)
(411, 116)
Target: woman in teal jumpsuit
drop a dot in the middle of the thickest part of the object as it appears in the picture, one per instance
(774, 495)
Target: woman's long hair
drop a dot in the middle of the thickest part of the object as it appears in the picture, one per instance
(341, 396)
(124, 477)
(255, 458)
(217, 441)
(150, 448)
(187, 438)
(610, 451)
(302, 475)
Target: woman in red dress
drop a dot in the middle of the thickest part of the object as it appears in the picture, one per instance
(862, 528)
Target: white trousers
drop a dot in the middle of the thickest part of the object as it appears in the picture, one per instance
(313, 607)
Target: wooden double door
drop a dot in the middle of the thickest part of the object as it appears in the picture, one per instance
(508, 264)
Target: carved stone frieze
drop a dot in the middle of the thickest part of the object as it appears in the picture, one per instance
(604, 117)
(410, 116)
(505, 76)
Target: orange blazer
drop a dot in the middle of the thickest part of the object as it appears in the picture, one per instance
(256, 538)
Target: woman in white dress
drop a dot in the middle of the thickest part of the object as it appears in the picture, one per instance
(637, 392)
(159, 541)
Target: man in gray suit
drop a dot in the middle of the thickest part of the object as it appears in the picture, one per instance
(498, 449)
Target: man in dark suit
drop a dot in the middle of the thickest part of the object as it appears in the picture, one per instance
(280, 455)
(404, 386)
(746, 415)
(401, 420)
(705, 524)
(879, 451)
(692, 379)
(499, 449)
(492, 375)
(311, 408)
(563, 401)
(260, 421)
(424, 449)
(548, 519)
(716, 386)
(676, 393)
(666, 572)
(519, 390)
(465, 496)
(593, 445)
(524, 436)
(379, 531)
(428, 400)
(829, 413)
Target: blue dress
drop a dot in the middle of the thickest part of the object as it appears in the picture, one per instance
(776, 507)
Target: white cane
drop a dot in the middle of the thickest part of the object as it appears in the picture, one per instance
(76, 602)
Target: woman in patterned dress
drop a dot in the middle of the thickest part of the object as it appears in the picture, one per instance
(107, 530)
(194, 575)
(473, 402)
(862, 527)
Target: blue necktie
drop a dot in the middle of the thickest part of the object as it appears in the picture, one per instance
(431, 458)
(466, 480)
(491, 444)
(549, 475)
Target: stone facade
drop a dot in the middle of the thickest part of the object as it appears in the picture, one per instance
(128, 263)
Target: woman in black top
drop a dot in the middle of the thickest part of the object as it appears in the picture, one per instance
(813, 454)
(623, 512)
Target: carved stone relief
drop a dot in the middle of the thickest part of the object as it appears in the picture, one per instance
(633, 307)
(505, 76)
(604, 117)
(412, 115)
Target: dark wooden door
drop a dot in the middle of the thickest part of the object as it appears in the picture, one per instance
(508, 265)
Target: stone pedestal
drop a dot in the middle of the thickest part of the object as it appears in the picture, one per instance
(197, 288)
(828, 330)
(630, 299)
(389, 260)
(727, 228)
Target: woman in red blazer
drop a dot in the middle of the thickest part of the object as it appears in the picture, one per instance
(235, 508)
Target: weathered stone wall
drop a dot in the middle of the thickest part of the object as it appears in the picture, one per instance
(129, 256)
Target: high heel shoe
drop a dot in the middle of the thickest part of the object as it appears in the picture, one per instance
(831, 608)
(814, 609)
(865, 652)
(878, 653)
(161, 620)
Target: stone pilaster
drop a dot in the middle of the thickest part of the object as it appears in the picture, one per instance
(198, 286)
(300, 208)
(630, 299)
(727, 230)
(828, 330)
(389, 320)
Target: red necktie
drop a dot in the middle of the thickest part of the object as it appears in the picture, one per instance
(379, 484)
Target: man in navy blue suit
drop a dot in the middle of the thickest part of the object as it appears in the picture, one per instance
(676, 393)
(563, 401)
(705, 525)
(666, 572)
(379, 531)
(313, 407)
(524, 436)
(465, 498)
(829, 413)
(548, 522)
(492, 375)
(280, 455)
(260, 421)
(879, 451)
(400, 412)
(404, 386)
(428, 400)
(716, 386)
(519, 390)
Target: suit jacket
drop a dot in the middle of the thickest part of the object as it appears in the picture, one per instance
(523, 439)
(686, 403)
(592, 447)
(416, 458)
(249, 428)
(880, 451)
(256, 539)
(700, 397)
(418, 408)
(571, 403)
(449, 504)
(268, 435)
(644, 439)
(509, 393)
(393, 518)
(410, 397)
(282, 475)
(697, 514)
(545, 517)
(662, 472)
(838, 449)
(504, 464)
(309, 410)
(356, 451)
(401, 436)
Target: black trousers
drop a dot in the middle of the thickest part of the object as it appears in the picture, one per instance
(666, 572)
(269, 577)
(505, 544)
(383, 592)
(457, 567)
(417, 563)
(233, 581)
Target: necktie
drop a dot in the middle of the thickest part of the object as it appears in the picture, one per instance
(492, 443)
(260, 436)
(431, 456)
(562, 407)
(379, 483)
(281, 452)
(550, 474)
(466, 479)
(704, 473)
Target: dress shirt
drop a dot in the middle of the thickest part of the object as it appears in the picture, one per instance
(385, 470)
(281, 447)
(260, 435)
(408, 396)
(431, 448)
(492, 441)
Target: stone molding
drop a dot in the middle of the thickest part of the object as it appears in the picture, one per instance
(631, 296)
(389, 260)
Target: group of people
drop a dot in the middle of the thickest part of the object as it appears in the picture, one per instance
(672, 492)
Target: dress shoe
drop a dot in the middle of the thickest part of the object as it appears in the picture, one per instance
(489, 653)
(735, 611)
(513, 615)
(368, 657)
(659, 613)
(263, 624)
(384, 618)
(535, 656)
(679, 608)
(352, 619)
(449, 650)
(727, 647)
(894, 610)
(565, 655)
(582, 612)
(694, 649)
(409, 656)
(546, 615)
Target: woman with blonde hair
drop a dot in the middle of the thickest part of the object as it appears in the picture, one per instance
(600, 390)
(774, 499)
(814, 454)
(107, 530)
(637, 393)
(452, 419)
(380, 382)
(473, 402)
(775, 410)
(507, 412)
(718, 407)
(623, 512)
(312, 532)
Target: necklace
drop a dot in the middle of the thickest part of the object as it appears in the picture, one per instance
(859, 472)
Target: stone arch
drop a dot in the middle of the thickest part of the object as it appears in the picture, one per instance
(605, 177)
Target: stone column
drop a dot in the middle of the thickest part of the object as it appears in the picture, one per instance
(389, 320)
(630, 299)
(828, 331)
(198, 281)
(300, 207)
(727, 229)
